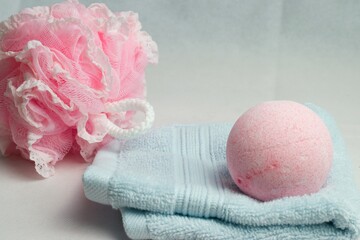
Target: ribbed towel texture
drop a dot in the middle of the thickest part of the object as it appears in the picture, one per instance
(173, 183)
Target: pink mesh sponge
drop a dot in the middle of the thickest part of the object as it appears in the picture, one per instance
(278, 149)
(71, 77)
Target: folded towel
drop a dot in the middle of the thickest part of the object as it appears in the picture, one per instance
(173, 183)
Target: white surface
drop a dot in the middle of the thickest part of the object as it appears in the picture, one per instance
(217, 58)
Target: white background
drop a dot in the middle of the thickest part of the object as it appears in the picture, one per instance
(217, 59)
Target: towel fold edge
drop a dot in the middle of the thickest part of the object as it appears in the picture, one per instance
(136, 225)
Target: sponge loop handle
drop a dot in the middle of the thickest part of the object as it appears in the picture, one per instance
(131, 104)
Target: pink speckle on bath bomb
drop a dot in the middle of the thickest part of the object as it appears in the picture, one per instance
(278, 149)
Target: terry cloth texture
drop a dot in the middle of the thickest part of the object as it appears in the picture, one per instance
(173, 183)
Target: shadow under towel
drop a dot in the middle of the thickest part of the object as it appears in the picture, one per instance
(173, 183)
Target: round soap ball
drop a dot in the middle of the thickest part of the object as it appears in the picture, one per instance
(278, 149)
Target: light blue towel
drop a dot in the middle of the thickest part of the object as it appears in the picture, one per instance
(173, 183)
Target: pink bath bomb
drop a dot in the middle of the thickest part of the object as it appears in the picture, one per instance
(278, 149)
